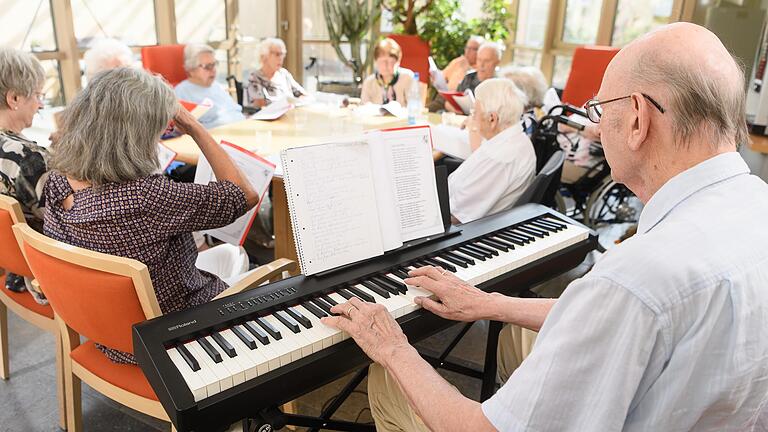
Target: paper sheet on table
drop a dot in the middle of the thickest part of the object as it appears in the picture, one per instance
(197, 109)
(257, 170)
(276, 109)
(374, 110)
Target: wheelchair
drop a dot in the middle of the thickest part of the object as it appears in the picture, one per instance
(587, 194)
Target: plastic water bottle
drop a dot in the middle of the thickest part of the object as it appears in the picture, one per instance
(414, 100)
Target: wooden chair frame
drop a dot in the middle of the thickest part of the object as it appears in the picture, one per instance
(74, 373)
(44, 323)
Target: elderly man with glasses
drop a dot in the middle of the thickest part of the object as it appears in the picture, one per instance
(200, 64)
(668, 330)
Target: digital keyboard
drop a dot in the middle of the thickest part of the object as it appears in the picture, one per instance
(231, 358)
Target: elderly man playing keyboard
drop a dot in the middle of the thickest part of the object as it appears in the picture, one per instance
(668, 330)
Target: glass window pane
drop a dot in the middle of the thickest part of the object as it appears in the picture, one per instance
(27, 25)
(327, 67)
(561, 71)
(582, 18)
(131, 21)
(634, 18)
(525, 57)
(313, 20)
(54, 96)
(531, 22)
(200, 21)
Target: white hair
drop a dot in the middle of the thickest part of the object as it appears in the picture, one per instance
(475, 38)
(111, 129)
(530, 80)
(106, 54)
(192, 52)
(268, 43)
(20, 72)
(501, 96)
(492, 45)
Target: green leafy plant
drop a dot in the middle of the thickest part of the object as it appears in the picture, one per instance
(351, 21)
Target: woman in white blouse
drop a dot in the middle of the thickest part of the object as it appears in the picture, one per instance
(272, 81)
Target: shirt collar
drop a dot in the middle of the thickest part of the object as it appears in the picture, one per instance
(505, 136)
(687, 183)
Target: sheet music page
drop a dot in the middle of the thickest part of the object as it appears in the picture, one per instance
(452, 141)
(257, 171)
(332, 201)
(386, 201)
(413, 174)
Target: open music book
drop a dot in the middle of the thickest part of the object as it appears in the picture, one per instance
(354, 200)
(259, 173)
(462, 102)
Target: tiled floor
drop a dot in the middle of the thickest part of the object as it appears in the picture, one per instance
(28, 399)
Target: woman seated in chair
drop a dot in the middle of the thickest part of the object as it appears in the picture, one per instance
(22, 161)
(496, 174)
(272, 81)
(103, 192)
(390, 82)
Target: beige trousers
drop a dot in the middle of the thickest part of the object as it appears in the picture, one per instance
(389, 405)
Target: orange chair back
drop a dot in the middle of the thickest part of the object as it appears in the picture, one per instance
(415, 54)
(166, 60)
(587, 70)
(97, 295)
(11, 258)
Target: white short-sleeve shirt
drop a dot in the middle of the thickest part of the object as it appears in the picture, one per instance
(493, 177)
(669, 331)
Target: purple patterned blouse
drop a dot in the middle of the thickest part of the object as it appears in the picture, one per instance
(151, 220)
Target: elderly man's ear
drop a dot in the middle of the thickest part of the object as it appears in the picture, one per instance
(641, 121)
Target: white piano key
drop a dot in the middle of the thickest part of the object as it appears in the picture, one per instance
(223, 374)
(206, 373)
(193, 380)
(255, 362)
(325, 333)
(290, 344)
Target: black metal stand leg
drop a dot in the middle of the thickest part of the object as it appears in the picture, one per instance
(489, 372)
(342, 397)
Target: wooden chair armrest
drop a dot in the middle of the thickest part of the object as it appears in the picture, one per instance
(268, 272)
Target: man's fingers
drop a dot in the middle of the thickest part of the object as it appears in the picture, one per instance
(341, 323)
(432, 306)
(429, 284)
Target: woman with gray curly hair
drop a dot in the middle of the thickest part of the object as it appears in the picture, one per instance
(103, 193)
(22, 161)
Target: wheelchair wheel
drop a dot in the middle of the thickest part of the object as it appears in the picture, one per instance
(612, 203)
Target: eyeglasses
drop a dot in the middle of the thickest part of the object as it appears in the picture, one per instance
(278, 53)
(209, 66)
(40, 96)
(595, 111)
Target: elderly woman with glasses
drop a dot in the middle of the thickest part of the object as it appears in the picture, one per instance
(272, 81)
(200, 64)
(22, 161)
(103, 192)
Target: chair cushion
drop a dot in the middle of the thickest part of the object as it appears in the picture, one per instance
(127, 377)
(25, 299)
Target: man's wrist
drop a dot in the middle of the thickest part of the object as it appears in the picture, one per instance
(489, 306)
(397, 354)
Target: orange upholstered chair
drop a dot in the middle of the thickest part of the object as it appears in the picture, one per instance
(587, 70)
(166, 60)
(415, 54)
(22, 304)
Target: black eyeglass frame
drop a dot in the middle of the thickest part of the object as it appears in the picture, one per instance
(592, 104)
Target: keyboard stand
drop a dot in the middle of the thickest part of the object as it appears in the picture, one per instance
(278, 419)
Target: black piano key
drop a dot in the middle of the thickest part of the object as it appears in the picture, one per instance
(451, 259)
(245, 337)
(531, 227)
(323, 305)
(530, 231)
(316, 311)
(468, 261)
(329, 300)
(188, 357)
(494, 244)
(543, 226)
(210, 350)
(472, 253)
(299, 317)
(401, 273)
(275, 333)
(386, 280)
(225, 346)
(287, 321)
(377, 289)
(477, 250)
(556, 223)
(520, 235)
(506, 243)
(257, 332)
(482, 247)
(346, 294)
(444, 264)
(510, 238)
(363, 295)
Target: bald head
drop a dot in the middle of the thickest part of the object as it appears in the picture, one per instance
(689, 72)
